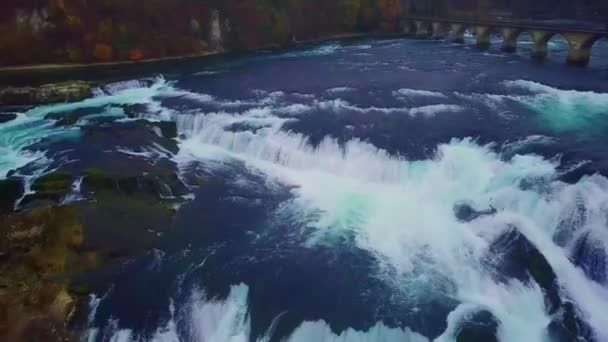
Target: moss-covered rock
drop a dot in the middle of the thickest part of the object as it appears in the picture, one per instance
(68, 119)
(49, 93)
(96, 180)
(43, 249)
(154, 185)
(53, 186)
(63, 92)
(119, 226)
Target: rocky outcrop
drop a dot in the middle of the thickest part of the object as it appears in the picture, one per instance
(48, 93)
(50, 188)
(479, 326)
(6, 117)
(513, 256)
(42, 246)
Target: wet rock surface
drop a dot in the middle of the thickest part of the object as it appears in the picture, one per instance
(46, 94)
(519, 259)
(11, 190)
(44, 248)
(100, 209)
(480, 326)
(466, 213)
(6, 117)
(590, 255)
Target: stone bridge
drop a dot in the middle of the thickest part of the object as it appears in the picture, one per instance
(580, 40)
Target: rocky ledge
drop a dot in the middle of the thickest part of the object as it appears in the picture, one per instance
(49, 93)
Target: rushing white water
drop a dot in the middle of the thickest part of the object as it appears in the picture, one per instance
(227, 320)
(32, 126)
(20, 133)
(582, 112)
(402, 210)
(565, 110)
(406, 92)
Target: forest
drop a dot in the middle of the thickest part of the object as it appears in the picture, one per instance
(78, 31)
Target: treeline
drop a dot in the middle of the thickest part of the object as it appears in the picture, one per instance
(78, 31)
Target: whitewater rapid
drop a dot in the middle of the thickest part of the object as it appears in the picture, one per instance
(399, 210)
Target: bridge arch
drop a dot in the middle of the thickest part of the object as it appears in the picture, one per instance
(599, 53)
(540, 42)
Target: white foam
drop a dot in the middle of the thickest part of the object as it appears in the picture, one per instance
(338, 105)
(432, 110)
(324, 50)
(338, 90)
(205, 320)
(320, 331)
(400, 210)
(214, 320)
(418, 93)
(563, 110)
(31, 126)
(518, 145)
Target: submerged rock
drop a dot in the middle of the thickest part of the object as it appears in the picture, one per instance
(49, 93)
(11, 190)
(591, 256)
(134, 110)
(514, 256)
(6, 117)
(118, 226)
(165, 129)
(72, 117)
(52, 187)
(567, 326)
(161, 183)
(465, 213)
(481, 326)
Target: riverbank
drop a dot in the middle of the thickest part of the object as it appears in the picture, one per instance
(35, 75)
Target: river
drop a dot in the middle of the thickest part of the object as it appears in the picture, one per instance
(323, 188)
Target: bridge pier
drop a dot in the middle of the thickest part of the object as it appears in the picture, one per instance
(579, 52)
(509, 43)
(439, 30)
(483, 36)
(457, 33)
(423, 29)
(541, 40)
(409, 27)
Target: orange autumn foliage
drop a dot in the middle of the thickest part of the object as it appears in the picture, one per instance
(78, 31)
(103, 52)
(136, 55)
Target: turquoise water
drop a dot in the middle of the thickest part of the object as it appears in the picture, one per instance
(330, 177)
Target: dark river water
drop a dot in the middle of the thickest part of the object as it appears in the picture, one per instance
(368, 190)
